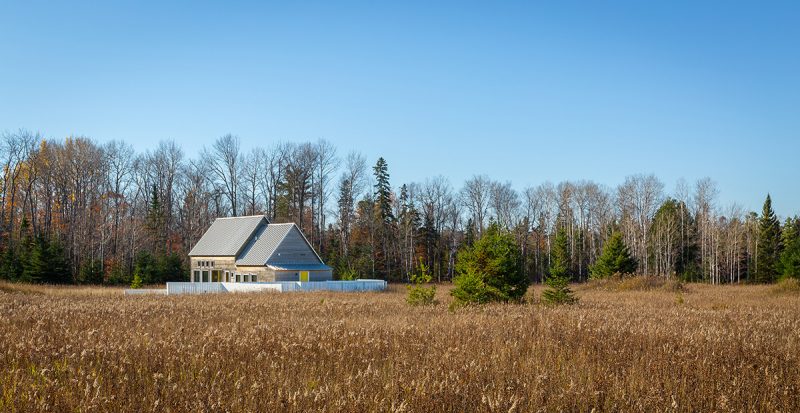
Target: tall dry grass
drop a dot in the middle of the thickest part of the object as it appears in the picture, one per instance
(716, 349)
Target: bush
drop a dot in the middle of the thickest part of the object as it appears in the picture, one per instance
(348, 274)
(490, 270)
(417, 294)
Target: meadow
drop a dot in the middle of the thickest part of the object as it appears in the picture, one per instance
(623, 347)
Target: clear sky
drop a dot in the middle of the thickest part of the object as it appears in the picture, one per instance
(525, 92)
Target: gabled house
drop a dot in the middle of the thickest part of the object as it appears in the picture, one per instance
(251, 249)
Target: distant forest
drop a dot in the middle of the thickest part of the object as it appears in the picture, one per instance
(78, 211)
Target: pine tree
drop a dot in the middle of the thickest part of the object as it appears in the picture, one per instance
(615, 259)
(155, 222)
(558, 291)
(383, 205)
(560, 260)
(37, 263)
(790, 258)
(490, 270)
(769, 244)
(469, 235)
(58, 268)
(383, 191)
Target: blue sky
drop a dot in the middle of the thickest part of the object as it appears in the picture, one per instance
(525, 92)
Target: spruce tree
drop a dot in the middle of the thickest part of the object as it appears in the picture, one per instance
(383, 191)
(490, 270)
(790, 258)
(615, 259)
(385, 218)
(37, 263)
(769, 244)
(155, 222)
(558, 291)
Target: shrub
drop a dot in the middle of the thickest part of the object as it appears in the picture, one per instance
(417, 294)
(348, 274)
(490, 270)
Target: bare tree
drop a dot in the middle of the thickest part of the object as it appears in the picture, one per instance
(475, 196)
(704, 204)
(638, 198)
(505, 204)
(252, 173)
(352, 184)
(225, 165)
(327, 162)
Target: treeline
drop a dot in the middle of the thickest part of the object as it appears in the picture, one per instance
(77, 211)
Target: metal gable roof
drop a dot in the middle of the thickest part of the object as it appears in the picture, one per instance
(227, 236)
(264, 243)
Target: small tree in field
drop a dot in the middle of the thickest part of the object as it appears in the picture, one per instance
(137, 281)
(490, 270)
(417, 294)
(615, 259)
(558, 291)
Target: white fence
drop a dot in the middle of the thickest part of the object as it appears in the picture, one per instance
(281, 286)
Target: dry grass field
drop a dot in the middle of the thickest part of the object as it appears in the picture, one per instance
(622, 348)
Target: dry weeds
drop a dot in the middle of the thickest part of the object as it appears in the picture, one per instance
(718, 349)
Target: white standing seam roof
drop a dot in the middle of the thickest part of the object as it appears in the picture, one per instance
(264, 243)
(227, 236)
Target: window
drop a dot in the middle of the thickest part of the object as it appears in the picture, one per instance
(254, 277)
(205, 278)
(196, 277)
(212, 263)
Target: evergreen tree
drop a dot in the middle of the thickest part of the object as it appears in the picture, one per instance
(383, 191)
(769, 244)
(558, 291)
(560, 259)
(90, 272)
(155, 222)
(36, 267)
(469, 235)
(615, 259)
(59, 270)
(790, 258)
(490, 270)
(384, 216)
(136, 283)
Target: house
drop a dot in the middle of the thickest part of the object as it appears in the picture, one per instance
(251, 249)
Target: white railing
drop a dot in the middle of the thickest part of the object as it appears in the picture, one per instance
(194, 288)
(280, 286)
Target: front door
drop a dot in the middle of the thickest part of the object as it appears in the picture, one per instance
(303, 276)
